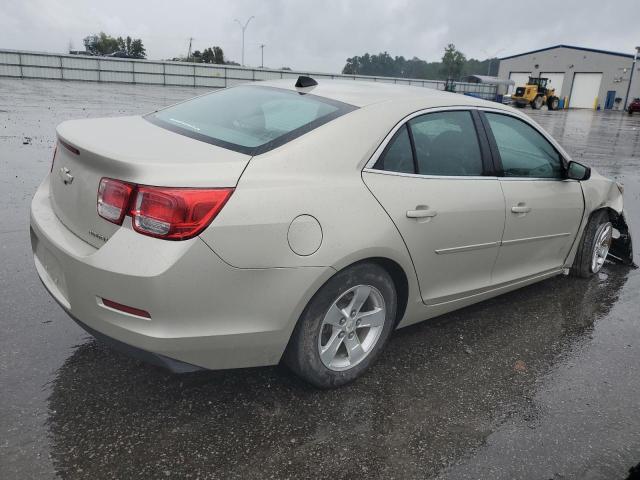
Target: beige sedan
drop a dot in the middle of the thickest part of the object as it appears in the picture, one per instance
(305, 222)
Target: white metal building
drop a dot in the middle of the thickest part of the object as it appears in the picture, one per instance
(587, 77)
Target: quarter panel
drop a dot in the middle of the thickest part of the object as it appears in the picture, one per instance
(252, 231)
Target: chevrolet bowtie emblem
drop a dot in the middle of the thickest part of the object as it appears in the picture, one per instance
(65, 175)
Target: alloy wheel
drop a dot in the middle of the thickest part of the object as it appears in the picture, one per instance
(351, 327)
(601, 246)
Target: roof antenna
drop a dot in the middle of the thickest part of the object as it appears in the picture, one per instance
(305, 82)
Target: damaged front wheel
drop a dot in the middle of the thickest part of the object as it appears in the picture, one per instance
(598, 242)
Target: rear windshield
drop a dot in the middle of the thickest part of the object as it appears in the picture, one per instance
(249, 119)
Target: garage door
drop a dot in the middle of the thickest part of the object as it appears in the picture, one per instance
(557, 79)
(519, 78)
(585, 90)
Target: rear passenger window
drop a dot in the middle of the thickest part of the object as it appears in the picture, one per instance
(446, 143)
(398, 156)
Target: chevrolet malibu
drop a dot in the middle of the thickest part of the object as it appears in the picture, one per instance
(305, 222)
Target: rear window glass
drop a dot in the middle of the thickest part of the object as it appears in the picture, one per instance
(398, 155)
(249, 119)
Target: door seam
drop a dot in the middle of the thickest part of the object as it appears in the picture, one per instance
(415, 271)
(504, 228)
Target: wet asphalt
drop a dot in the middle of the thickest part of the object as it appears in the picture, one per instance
(542, 383)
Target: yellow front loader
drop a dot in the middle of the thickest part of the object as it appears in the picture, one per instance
(536, 93)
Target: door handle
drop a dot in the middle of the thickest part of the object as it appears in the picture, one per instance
(422, 211)
(521, 208)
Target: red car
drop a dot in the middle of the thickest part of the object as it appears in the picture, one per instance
(634, 106)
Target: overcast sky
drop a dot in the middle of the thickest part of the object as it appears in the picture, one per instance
(320, 34)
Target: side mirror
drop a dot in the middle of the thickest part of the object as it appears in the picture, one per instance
(577, 171)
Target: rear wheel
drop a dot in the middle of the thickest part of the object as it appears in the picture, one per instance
(344, 327)
(553, 103)
(594, 247)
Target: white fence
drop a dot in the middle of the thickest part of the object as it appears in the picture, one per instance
(22, 64)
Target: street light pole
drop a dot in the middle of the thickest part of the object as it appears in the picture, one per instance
(262, 55)
(633, 67)
(244, 27)
(189, 52)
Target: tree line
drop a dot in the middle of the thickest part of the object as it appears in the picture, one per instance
(453, 65)
(208, 55)
(103, 44)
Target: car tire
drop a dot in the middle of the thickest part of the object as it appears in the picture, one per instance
(594, 246)
(323, 325)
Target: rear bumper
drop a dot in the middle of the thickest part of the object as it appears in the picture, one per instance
(204, 312)
(170, 364)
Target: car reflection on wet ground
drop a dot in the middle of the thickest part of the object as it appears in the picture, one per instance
(540, 383)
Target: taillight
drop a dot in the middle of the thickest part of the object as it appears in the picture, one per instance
(176, 213)
(162, 212)
(113, 199)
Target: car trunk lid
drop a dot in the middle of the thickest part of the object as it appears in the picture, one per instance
(133, 150)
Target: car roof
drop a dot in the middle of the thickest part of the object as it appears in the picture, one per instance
(363, 93)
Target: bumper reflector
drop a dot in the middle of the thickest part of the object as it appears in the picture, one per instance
(126, 309)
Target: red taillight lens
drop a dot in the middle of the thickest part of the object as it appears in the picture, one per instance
(176, 213)
(113, 199)
(162, 212)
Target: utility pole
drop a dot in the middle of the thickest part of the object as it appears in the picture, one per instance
(189, 52)
(633, 67)
(262, 55)
(244, 27)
